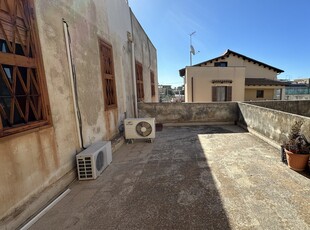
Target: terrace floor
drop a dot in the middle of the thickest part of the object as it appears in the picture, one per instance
(198, 177)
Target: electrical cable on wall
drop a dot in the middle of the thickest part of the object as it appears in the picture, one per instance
(78, 113)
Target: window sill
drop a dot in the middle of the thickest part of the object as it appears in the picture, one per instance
(109, 108)
(5, 135)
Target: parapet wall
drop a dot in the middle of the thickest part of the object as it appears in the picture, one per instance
(190, 112)
(271, 123)
(301, 107)
(268, 119)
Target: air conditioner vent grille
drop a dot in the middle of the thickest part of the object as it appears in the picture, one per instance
(93, 160)
(85, 167)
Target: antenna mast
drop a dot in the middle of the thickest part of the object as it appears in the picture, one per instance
(191, 48)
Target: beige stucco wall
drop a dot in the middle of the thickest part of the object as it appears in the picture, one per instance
(34, 161)
(202, 77)
(269, 92)
(202, 80)
(250, 94)
(251, 70)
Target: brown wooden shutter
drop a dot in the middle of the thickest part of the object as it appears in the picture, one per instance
(228, 93)
(23, 95)
(139, 81)
(214, 93)
(108, 81)
(12, 12)
(152, 83)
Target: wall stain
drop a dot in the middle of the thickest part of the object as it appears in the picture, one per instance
(111, 121)
(41, 157)
(53, 146)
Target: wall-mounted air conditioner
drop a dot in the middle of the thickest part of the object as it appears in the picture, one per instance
(93, 160)
(139, 128)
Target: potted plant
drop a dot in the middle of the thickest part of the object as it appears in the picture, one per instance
(297, 148)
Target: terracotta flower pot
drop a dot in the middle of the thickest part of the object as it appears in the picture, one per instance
(297, 162)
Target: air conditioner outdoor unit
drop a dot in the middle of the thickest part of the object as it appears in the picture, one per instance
(93, 160)
(139, 128)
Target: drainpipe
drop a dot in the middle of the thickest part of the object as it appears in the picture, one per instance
(67, 40)
(131, 40)
(133, 66)
(134, 79)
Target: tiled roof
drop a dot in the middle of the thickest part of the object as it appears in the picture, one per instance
(230, 52)
(263, 81)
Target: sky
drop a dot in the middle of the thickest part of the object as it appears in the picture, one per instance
(276, 32)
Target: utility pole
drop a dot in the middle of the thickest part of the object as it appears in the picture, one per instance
(191, 48)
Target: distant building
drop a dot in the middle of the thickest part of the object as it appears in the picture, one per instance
(165, 92)
(302, 81)
(232, 77)
(297, 91)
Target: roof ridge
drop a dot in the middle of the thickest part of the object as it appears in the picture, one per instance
(228, 52)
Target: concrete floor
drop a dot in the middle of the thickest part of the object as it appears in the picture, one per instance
(199, 177)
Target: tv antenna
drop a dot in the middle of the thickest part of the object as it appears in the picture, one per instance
(192, 50)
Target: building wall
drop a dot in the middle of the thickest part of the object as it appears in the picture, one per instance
(39, 159)
(251, 70)
(202, 82)
(146, 54)
(202, 87)
(250, 93)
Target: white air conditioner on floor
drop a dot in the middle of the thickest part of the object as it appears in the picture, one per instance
(93, 160)
(139, 128)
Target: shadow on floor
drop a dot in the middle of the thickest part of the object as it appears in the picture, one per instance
(167, 184)
(176, 188)
(201, 177)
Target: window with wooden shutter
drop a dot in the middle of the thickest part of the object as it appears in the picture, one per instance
(23, 95)
(108, 77)
(221, 93)
(259, 93)
(228, 93)
(152, 83)
(139, 79)
(214, 98)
